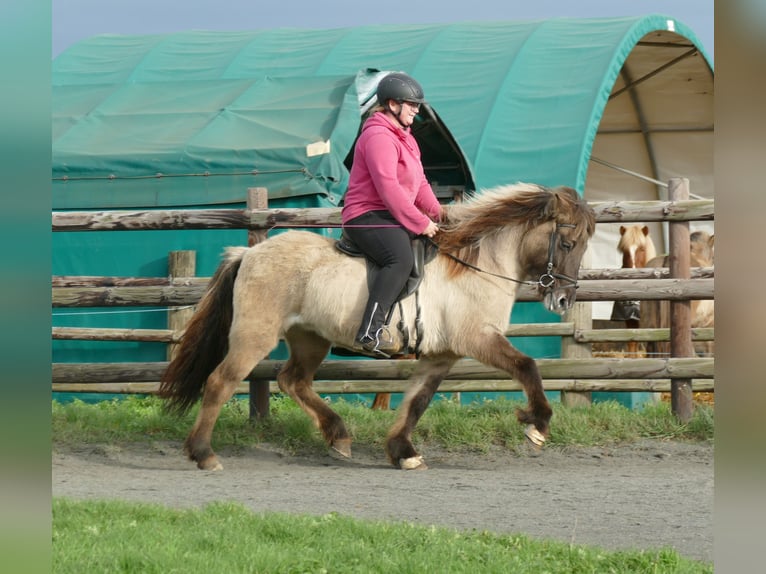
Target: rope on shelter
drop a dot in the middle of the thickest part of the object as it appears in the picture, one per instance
(123, 311)
(160, 175)
(639, 175)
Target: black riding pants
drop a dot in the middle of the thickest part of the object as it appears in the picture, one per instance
(389, 245)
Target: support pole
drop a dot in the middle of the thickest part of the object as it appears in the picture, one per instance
(180, 264)
(681, 400)
(581, 314)
(258, 198)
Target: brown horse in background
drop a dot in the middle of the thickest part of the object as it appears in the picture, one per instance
(299, 287)
(656, 314)
(637, 249)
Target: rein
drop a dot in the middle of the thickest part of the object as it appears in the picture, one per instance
(545, 281)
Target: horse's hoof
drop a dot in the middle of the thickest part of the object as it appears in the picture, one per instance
(342, 447)
(534, 436)
(210, 464)
(413, 463)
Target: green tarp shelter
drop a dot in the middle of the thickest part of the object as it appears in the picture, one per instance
(195, 118)
(204, 142)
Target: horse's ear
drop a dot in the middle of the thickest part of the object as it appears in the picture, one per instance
(623, 229)
(551, 208)
(711, 241)
(645, 230)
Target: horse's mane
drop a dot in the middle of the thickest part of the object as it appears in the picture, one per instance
(524, 204)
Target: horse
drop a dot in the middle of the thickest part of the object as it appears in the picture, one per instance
(637, 248)
(656, 314)
(296, 286)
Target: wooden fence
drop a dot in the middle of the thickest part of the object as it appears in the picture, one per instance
(576, 374)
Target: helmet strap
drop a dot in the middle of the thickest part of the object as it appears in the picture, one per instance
(397, 115)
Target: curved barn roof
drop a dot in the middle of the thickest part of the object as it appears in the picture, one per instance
(557, 101)
(525, 100)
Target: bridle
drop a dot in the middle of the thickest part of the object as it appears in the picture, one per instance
(547, 279)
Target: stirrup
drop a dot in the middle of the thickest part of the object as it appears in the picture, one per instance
(377, 345)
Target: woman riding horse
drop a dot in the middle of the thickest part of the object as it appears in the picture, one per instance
(298, 287)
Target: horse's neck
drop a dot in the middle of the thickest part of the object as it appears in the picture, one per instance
(499, 252)
(649, 251)
(699, 260)
(701, 256)
(645, 255)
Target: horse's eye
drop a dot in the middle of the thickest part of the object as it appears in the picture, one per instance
(567, 245)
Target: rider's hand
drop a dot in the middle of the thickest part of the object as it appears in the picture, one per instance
(431, 230)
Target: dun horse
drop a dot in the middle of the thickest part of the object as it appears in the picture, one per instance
(656, 314)
(297, 286)
(637, 248)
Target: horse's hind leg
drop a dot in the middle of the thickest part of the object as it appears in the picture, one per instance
(496, 351)
(242, 357)
(429, 374)
(307, 351)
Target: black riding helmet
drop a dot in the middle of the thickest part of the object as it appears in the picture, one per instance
(400, 88)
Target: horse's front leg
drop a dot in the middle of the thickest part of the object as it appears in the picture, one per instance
(429, 374)
(495, 350)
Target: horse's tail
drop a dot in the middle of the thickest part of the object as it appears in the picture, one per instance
(205, 341)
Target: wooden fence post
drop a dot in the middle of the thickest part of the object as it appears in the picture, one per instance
(680, 311)
(258, 198)
(180, 264)
(581, 314)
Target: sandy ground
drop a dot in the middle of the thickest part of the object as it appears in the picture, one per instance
(644, 496)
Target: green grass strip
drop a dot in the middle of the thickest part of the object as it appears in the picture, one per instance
(477, 426)
(124, 537)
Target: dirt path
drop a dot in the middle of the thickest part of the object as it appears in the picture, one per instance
(649, 495)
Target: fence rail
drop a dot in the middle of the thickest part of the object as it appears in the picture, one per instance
(264, 219)
(402, 369)
(398, 386)
(178, 295)
(516, 330)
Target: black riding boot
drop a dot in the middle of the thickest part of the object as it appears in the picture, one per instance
(374, 335)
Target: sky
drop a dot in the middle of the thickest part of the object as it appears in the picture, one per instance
(75, 20)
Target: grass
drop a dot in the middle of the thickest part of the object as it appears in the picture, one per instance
(101, 536)
(115, 536)
(476, 427)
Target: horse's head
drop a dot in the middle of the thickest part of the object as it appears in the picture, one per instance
(636, 246)
(701, 245)
(555, 226)
(555, 244)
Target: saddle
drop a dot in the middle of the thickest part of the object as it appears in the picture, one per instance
(423, 251)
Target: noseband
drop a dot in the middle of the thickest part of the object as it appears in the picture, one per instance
(547, 279)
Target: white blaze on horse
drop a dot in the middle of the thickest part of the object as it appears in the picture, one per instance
(297, 286)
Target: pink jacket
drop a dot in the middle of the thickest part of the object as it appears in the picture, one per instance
(387, 174)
